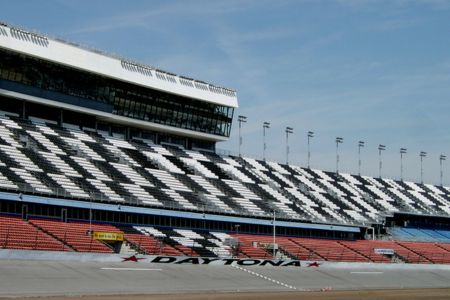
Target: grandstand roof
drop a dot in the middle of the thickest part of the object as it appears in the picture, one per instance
(98, 62)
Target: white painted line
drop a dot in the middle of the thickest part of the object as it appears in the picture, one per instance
(130, 269)
(267, 278)
(361, 272)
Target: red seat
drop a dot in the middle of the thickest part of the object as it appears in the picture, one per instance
(16, 233)
(75, 234)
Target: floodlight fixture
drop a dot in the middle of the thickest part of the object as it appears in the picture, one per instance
(241, 119)
(339, 140)
(442, 158)
(422, 154)
(360, 145)
(310, 135)
(380, 162)
(289, 130)
(402, 151)
(266, 125)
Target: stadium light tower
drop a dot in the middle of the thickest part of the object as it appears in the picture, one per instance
(310, 135)
(241, 119)
(360, 145)
(442, 157)
(266, 125)
(402, 151)
(339, 140)
(289, 130)
(422, 155)
(380, 166)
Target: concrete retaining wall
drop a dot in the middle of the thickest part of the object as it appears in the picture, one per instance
(33, 255)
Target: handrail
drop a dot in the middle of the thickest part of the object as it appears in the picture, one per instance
(36, 239)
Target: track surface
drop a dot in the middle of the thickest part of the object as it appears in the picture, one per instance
(24, 278)
(435, 294)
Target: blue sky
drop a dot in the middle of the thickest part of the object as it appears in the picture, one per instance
(376, 71)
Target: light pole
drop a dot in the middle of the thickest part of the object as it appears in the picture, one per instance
(402, 151)
(288, 131)
(360, 145)
(266, 125)
(422, 155)
(380, 166)
(274, 235)
(236, 226)
(236, 247)
(442, 157)
(90, 216)
(310, 135)
(339, 140)
(241, 119)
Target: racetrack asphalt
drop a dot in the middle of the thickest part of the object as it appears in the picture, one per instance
(23, 278)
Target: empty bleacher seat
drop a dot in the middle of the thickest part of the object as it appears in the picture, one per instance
(65, 161)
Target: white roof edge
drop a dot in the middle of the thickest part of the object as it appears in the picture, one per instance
(117, 119)
(100, 63)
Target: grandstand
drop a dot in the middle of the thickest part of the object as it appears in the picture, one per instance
(91, 142)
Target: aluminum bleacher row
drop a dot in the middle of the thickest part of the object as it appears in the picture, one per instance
(61, 161)
(420, 234)
(47, 234)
